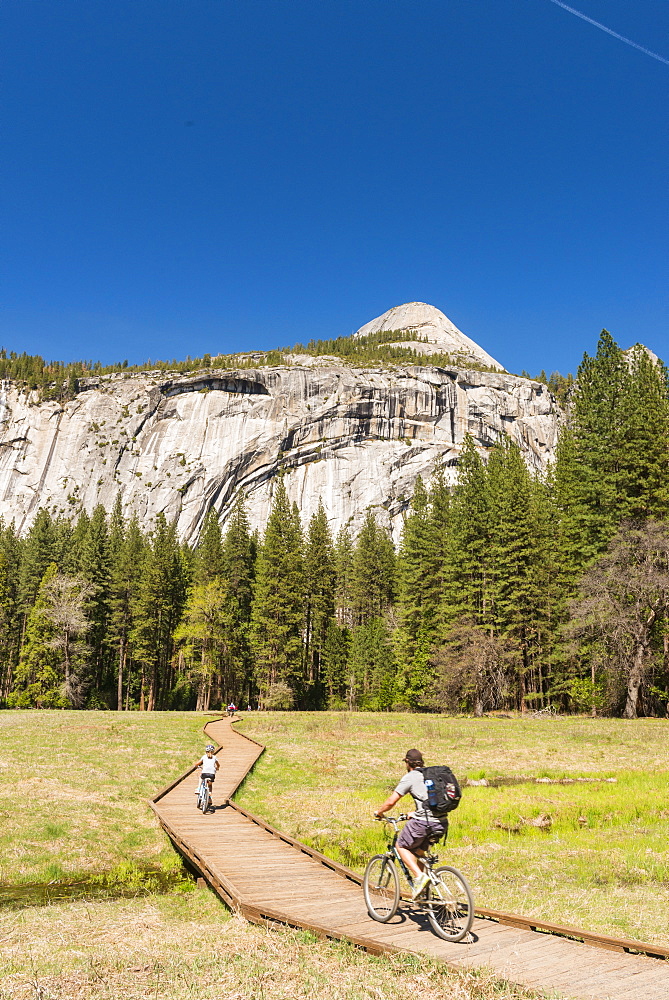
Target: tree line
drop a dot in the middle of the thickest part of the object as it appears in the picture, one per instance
(508, 590)
(58, 380)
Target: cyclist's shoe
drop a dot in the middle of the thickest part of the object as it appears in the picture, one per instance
(419, 885)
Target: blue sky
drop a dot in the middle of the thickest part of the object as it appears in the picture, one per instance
(182, 176)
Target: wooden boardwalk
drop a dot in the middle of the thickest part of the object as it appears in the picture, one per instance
(270, 877)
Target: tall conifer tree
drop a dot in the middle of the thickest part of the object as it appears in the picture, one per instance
(278, 608)
(373, 582)
(319, 580)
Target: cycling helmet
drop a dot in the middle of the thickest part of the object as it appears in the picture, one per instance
(209, 748)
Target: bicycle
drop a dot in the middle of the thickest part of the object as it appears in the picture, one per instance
(448, 901)
(203, 794)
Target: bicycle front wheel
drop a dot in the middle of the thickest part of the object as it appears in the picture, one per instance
(450, 904)
(381, 888)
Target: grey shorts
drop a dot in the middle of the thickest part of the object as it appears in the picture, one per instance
(418, 834)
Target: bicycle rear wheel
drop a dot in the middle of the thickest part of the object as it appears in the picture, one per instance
(381, 888)
(450, 904)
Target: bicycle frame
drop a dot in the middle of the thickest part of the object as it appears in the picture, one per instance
(428, 859)
(204, 789)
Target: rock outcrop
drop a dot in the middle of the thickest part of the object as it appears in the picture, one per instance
(435, 334)
(353, 437)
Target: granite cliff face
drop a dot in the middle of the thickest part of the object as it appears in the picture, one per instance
(353, 437)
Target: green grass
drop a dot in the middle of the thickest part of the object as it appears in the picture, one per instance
(602, 864)
(73, 791)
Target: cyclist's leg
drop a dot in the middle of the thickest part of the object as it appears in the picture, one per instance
(411, 845)
(410, 860)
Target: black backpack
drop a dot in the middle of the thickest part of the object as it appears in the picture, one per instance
(443, 790)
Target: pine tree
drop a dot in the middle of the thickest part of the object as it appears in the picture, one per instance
(70, 542)
(39, 681)
(334, 664)
(38, 554)
(319, 580)
(550, 595)
(343, 554)
(157, 612)
(371, 667)
(238, 557)
(278, 609)
(239, 554)
(412, 573)
(591, 453)
(421, 580)
(204, 630)
(209, 552)
(94, 566)
(467, 593)
(8, 618)
(512, 555)
(373, 582)
(10, 563)
(127, 548)
(644, 465)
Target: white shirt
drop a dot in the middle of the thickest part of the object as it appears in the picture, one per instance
(208, 764)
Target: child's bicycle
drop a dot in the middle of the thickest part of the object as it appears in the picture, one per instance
(203, 794)
(447, 899)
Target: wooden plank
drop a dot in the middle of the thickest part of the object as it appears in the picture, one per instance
(590, 937)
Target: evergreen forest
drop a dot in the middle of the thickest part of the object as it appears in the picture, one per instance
(507, 590)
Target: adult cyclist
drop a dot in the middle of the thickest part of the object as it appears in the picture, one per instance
(209, 765)
(423, 828)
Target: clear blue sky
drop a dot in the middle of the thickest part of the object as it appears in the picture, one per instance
(182, 176)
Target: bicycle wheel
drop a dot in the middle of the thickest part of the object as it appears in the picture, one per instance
(381, 888)
(205, 798)
(450, 905)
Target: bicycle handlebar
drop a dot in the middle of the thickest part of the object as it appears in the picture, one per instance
(392, 819)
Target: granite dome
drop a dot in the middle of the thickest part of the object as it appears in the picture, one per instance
(435, 333)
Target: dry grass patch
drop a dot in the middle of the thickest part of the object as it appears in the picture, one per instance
(189, 946)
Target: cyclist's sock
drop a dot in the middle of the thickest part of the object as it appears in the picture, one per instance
(419, 884)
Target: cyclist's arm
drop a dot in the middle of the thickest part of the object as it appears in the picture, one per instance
(388, 804)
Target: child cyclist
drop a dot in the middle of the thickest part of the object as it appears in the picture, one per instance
(209, 765)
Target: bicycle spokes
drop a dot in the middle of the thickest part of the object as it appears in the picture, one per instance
(450, 906)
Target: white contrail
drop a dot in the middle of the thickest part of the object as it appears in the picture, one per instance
(621, 38)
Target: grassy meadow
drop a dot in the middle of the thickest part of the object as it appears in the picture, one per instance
(73, 790)
(599, 858)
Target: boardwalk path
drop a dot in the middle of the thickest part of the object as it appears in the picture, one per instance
(270, 877)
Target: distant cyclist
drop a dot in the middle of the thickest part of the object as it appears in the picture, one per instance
(232, 708)
(423, 828)
(209, 765)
